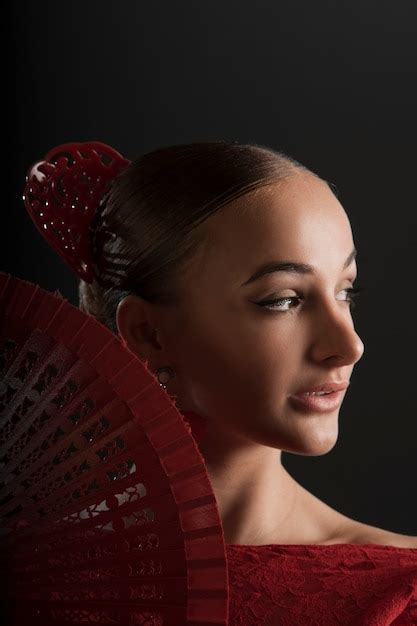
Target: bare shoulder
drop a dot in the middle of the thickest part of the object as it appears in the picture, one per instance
(364, 533)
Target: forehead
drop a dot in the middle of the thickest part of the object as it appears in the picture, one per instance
(297, 219)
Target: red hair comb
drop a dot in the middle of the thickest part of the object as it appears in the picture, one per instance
(62, 195)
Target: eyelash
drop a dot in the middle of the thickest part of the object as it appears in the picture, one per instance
(353, 292)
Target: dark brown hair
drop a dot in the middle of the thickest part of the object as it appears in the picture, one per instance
(154, 209)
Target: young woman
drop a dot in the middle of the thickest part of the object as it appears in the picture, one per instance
(230, 271)
(244, 263)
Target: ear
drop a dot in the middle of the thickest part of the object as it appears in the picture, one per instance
(135, 326)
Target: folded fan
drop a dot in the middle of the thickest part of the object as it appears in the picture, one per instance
(107, 513)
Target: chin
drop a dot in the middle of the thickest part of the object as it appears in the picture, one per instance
(312, 440)
(318, 450)
(320, 444)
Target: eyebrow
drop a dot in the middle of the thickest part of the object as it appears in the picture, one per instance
(291, 266)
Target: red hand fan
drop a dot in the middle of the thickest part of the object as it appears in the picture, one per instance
(107, 512)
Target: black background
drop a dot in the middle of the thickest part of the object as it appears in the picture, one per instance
(333, 84)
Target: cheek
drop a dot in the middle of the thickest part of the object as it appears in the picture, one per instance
(243, 379)
(245, 365)
(270, 349)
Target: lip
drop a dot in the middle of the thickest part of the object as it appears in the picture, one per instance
(329, 386)
(319, 404)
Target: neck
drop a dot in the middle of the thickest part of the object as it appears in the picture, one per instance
(255, 494)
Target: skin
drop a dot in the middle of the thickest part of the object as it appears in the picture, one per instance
(255, 357)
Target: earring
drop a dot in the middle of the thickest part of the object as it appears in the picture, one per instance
(162, 374)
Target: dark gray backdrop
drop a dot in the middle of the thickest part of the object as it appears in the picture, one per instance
(331, 83)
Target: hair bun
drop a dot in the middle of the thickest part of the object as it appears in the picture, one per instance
(62, 194)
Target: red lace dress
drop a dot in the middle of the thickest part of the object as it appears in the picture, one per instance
(319, 585)
(322, 585)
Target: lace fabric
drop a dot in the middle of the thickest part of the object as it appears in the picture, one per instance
(322, 585)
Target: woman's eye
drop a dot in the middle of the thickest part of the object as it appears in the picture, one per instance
(352, 293)
(280, 304)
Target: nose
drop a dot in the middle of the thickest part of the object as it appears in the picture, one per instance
(335, 337)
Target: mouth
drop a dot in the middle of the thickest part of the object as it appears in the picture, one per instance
(308, 402)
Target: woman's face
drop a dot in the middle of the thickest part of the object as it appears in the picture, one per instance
(239, 358)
